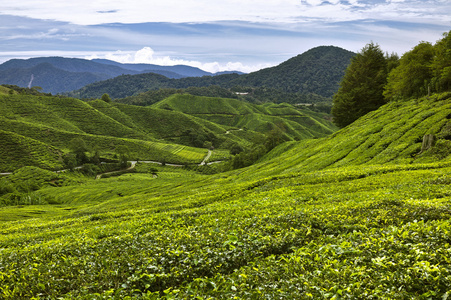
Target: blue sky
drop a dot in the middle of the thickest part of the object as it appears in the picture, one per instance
(214, 35)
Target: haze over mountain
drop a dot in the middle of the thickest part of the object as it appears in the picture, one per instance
(59, 74)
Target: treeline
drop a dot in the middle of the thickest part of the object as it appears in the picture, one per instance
(252, 95)
(35, 90)
(374, 78)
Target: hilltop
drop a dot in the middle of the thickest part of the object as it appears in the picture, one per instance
(317, 71)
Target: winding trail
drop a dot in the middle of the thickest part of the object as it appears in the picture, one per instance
(206, 158)
(112, 172)
(134, 162)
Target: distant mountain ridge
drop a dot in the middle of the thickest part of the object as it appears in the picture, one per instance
(60, 74)
(317, 71)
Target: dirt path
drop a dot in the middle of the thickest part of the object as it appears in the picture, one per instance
(133, 162)
(206, 158)
(112, 172)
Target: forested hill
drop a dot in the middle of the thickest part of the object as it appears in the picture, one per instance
(317, 71)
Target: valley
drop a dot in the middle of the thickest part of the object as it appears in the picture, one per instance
(195, 192)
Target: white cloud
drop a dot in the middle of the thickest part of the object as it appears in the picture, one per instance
(88, 12)
(147, 55)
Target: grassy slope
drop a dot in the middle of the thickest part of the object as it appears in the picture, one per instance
(392, 134)
(18, 151)
(261, 118)
(67, 114)
(55, 122)
(301, 225)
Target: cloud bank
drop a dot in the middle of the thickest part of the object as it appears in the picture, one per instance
(147, 55)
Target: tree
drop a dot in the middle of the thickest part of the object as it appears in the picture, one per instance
(413, 75)
(361, 87)
(124, 155)
(106, 98)
(441, 65)
(79, 148)
(70, 161)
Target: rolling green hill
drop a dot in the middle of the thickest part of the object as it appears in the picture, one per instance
(361, 214)
(52, 122)
(295, 123)
(19, 151)
(106, 127)
(393, 134)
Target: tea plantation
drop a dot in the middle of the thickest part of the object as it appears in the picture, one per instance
(361, 214)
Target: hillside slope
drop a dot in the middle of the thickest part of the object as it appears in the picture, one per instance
(38, 123)
(146, 131)
(393, 134)
(295, 123)
(357, 215)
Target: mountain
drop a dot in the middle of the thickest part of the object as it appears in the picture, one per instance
(51, 79)
(181, 70)
(317, 71)
(131, 85)
(59, 74)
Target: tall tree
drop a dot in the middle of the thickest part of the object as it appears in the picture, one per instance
(413, 75)
(106, 98)
(361, 87)
(441, 65)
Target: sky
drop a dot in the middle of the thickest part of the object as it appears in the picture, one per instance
(214, 35)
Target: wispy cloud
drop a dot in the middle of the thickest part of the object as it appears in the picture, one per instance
(88, 12)
(211, 34)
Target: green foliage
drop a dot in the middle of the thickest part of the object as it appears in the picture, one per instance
(424, 69)
(79, 148)
(297, 123)
(441, 65)
(24, 91)
(19, 151)
(361, 87)
(350, 232)
(124, 154)
(412, 77)
(317, 71)
(106, 98)
(354, 215)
